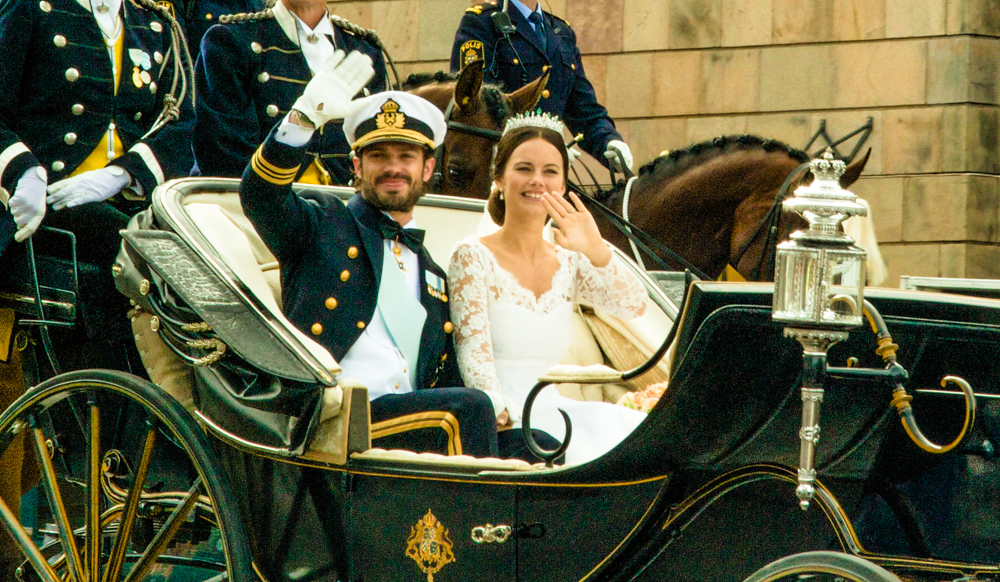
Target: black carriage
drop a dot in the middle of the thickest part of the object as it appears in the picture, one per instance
(249, 458)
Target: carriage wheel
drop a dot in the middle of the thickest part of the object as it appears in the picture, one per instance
(822, 567)
(132, 485)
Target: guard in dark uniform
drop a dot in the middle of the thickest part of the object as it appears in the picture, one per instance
(354, 278)
(89, 111)
(90, 123)
(518, 42)
(250, 71)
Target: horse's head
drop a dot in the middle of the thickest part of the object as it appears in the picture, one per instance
(475, 112)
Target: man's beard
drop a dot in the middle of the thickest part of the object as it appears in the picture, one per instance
(391, 203)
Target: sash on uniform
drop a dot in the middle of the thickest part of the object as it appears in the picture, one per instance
(403, 314)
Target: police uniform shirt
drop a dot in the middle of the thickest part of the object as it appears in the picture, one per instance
(526, 12)
(514, 60)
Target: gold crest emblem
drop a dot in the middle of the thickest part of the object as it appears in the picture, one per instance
(471, 51)
(390, 116)
(429, 545)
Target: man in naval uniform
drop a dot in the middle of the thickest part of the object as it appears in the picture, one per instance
(251, 70)
(518, 42)
(83, 84)
(357, 276)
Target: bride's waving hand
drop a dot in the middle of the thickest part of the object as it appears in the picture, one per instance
(576, 230)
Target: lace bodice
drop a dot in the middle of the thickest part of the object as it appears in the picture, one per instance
(505, 336)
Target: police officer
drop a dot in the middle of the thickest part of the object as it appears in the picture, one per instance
(518, 42)
(357, 276)
(251, 70)
(90, 117)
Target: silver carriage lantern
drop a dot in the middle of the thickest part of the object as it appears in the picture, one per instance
(819, 284)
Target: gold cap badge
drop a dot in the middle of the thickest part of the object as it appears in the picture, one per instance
(390, 116)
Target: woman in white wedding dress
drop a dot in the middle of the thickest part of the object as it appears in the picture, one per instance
(513, 293)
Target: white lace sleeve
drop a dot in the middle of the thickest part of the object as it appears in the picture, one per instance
(467, 281)
(612, 287)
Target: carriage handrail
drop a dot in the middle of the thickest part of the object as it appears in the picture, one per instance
(590, 375)
(901, 400)
(43, 322)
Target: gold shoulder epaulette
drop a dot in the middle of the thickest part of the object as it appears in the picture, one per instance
(168, 6)
(365, 34)
(243, 17)
(487, 6)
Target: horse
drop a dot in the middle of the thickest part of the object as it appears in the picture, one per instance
(475, 113)
(710, 203)
(707, 202)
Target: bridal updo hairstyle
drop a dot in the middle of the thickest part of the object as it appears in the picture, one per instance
(506, 146)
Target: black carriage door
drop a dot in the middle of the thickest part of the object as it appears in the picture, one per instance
(566, 531)
(416, 529)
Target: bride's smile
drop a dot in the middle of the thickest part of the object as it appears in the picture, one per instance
(535, 167)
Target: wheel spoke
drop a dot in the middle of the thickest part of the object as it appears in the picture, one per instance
(117, 559)
(166, 533)
(54, 495)
(94, 493)
(13, 525)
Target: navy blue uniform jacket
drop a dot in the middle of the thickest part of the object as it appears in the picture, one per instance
(514, 64)
(200, 15)
(331, 263)
(250, 72)
(57, 92)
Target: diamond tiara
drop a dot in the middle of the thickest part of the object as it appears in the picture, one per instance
(544, 120)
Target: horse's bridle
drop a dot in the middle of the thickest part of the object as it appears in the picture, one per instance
(491, 134)
(768, 223)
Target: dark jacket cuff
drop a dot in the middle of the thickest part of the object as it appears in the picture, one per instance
(14, 162)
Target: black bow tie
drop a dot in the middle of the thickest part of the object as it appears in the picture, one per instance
(412, 238)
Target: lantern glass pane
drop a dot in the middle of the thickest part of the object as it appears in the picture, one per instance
(844, 279)
(797, 277)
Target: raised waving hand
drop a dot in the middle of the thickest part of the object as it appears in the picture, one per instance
(576, 229)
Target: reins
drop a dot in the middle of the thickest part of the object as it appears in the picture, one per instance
(641, 239)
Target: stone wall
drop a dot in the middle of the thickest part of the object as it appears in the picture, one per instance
(673, 72)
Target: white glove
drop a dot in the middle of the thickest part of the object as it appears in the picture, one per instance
(92, 186)
(328, 95)
(28, 202)
(614, 148)
(573, 154)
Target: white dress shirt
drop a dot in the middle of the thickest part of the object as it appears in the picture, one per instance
(315, 43)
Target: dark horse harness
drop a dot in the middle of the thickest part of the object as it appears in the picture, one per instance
(769, 223)
(491, 134)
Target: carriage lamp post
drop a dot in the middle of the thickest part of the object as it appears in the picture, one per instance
(818, 293)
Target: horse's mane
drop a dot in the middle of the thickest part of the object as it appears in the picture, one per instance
(492, 96)
(678, 161)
